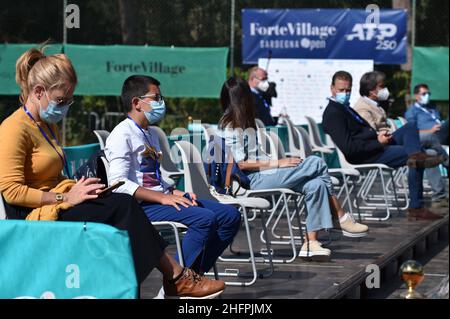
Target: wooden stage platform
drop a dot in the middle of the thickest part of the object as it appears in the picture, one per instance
(388, 244)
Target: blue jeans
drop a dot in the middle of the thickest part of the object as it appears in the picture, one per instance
(309, 178)
(406, 142)
(432, 141)
(211, 228)
(436, 182)
(443, 133)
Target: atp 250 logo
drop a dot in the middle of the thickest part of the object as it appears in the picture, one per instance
(373, 29)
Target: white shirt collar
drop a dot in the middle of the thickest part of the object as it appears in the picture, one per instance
(254, 90)
(369, 101)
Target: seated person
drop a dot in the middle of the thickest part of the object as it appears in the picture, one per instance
(259, 85)
(433, 134)
(308, 176)
(134, 156)
(373, 91)
(33, 187)
(362, 144)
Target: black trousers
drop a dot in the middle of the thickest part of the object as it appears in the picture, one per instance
(123, 212)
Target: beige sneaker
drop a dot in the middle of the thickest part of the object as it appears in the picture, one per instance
(439, 203)
(314, 250)
(349, 227)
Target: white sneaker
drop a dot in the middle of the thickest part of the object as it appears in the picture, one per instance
(349, 227)
(161, 294)
(313, 249)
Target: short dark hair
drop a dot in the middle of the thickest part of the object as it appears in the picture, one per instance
(135, 86)
(369, 82)
(341, 75)
(420, 86)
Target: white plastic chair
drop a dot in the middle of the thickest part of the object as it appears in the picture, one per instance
(348, 175)
(402, 120)
(175, 227)
(168, 167)
(2, 208)
(370, 173)
(208, 131)
(301, 135)
(392, 124)
(102, 135)
(314, 137)
(279, 199)
(276, 151)
(329, 142)
(259, 123)
(294, 148)
(195, 181)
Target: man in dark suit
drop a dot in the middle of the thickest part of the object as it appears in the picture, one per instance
(259, 84)
(361, 144)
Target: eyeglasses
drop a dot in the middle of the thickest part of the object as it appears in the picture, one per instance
(154, 97)
(425, 93)
(264, 79)
(62, 102)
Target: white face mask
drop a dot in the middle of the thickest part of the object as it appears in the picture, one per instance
(425, 99)
(263, 85)
(383, 94)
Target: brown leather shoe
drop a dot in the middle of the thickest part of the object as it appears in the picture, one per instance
(190, 285)
(422, 213)
(423, 160)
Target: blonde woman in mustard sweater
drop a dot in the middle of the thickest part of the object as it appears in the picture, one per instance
(31, 161)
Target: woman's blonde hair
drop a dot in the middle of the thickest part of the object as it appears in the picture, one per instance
(52, 71)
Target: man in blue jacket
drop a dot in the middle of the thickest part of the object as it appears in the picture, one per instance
(433, 134)
(361, 144)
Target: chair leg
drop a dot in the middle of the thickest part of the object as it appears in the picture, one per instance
(216, 273)
(394, 188)
(178, 244)
(269, 248)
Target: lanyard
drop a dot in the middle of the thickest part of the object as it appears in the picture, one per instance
(354, 114)
(350, 110)
(420, 107)
(266, 104)
(158, 175)
(263, 100)
(61, 156)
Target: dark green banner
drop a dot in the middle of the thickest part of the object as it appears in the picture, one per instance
(9, 53)
(101, 70)
(430, 66)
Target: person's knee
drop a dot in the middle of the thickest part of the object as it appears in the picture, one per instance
(315, 186)
(204, 218)
(316, 161)
(234, 216)
(123, 202)
(411, 125)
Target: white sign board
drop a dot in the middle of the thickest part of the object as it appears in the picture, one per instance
(303, 85)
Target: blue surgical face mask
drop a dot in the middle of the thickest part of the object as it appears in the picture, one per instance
(156, 114)
(425, 99)
(54, 112)
(343, 98)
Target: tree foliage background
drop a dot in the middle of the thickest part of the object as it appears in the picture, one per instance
(191, 23)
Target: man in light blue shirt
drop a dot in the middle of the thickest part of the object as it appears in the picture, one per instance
(433, 133)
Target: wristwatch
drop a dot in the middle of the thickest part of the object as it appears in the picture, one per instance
(59, 197)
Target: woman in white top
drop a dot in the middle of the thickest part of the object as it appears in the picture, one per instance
(308, 176)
